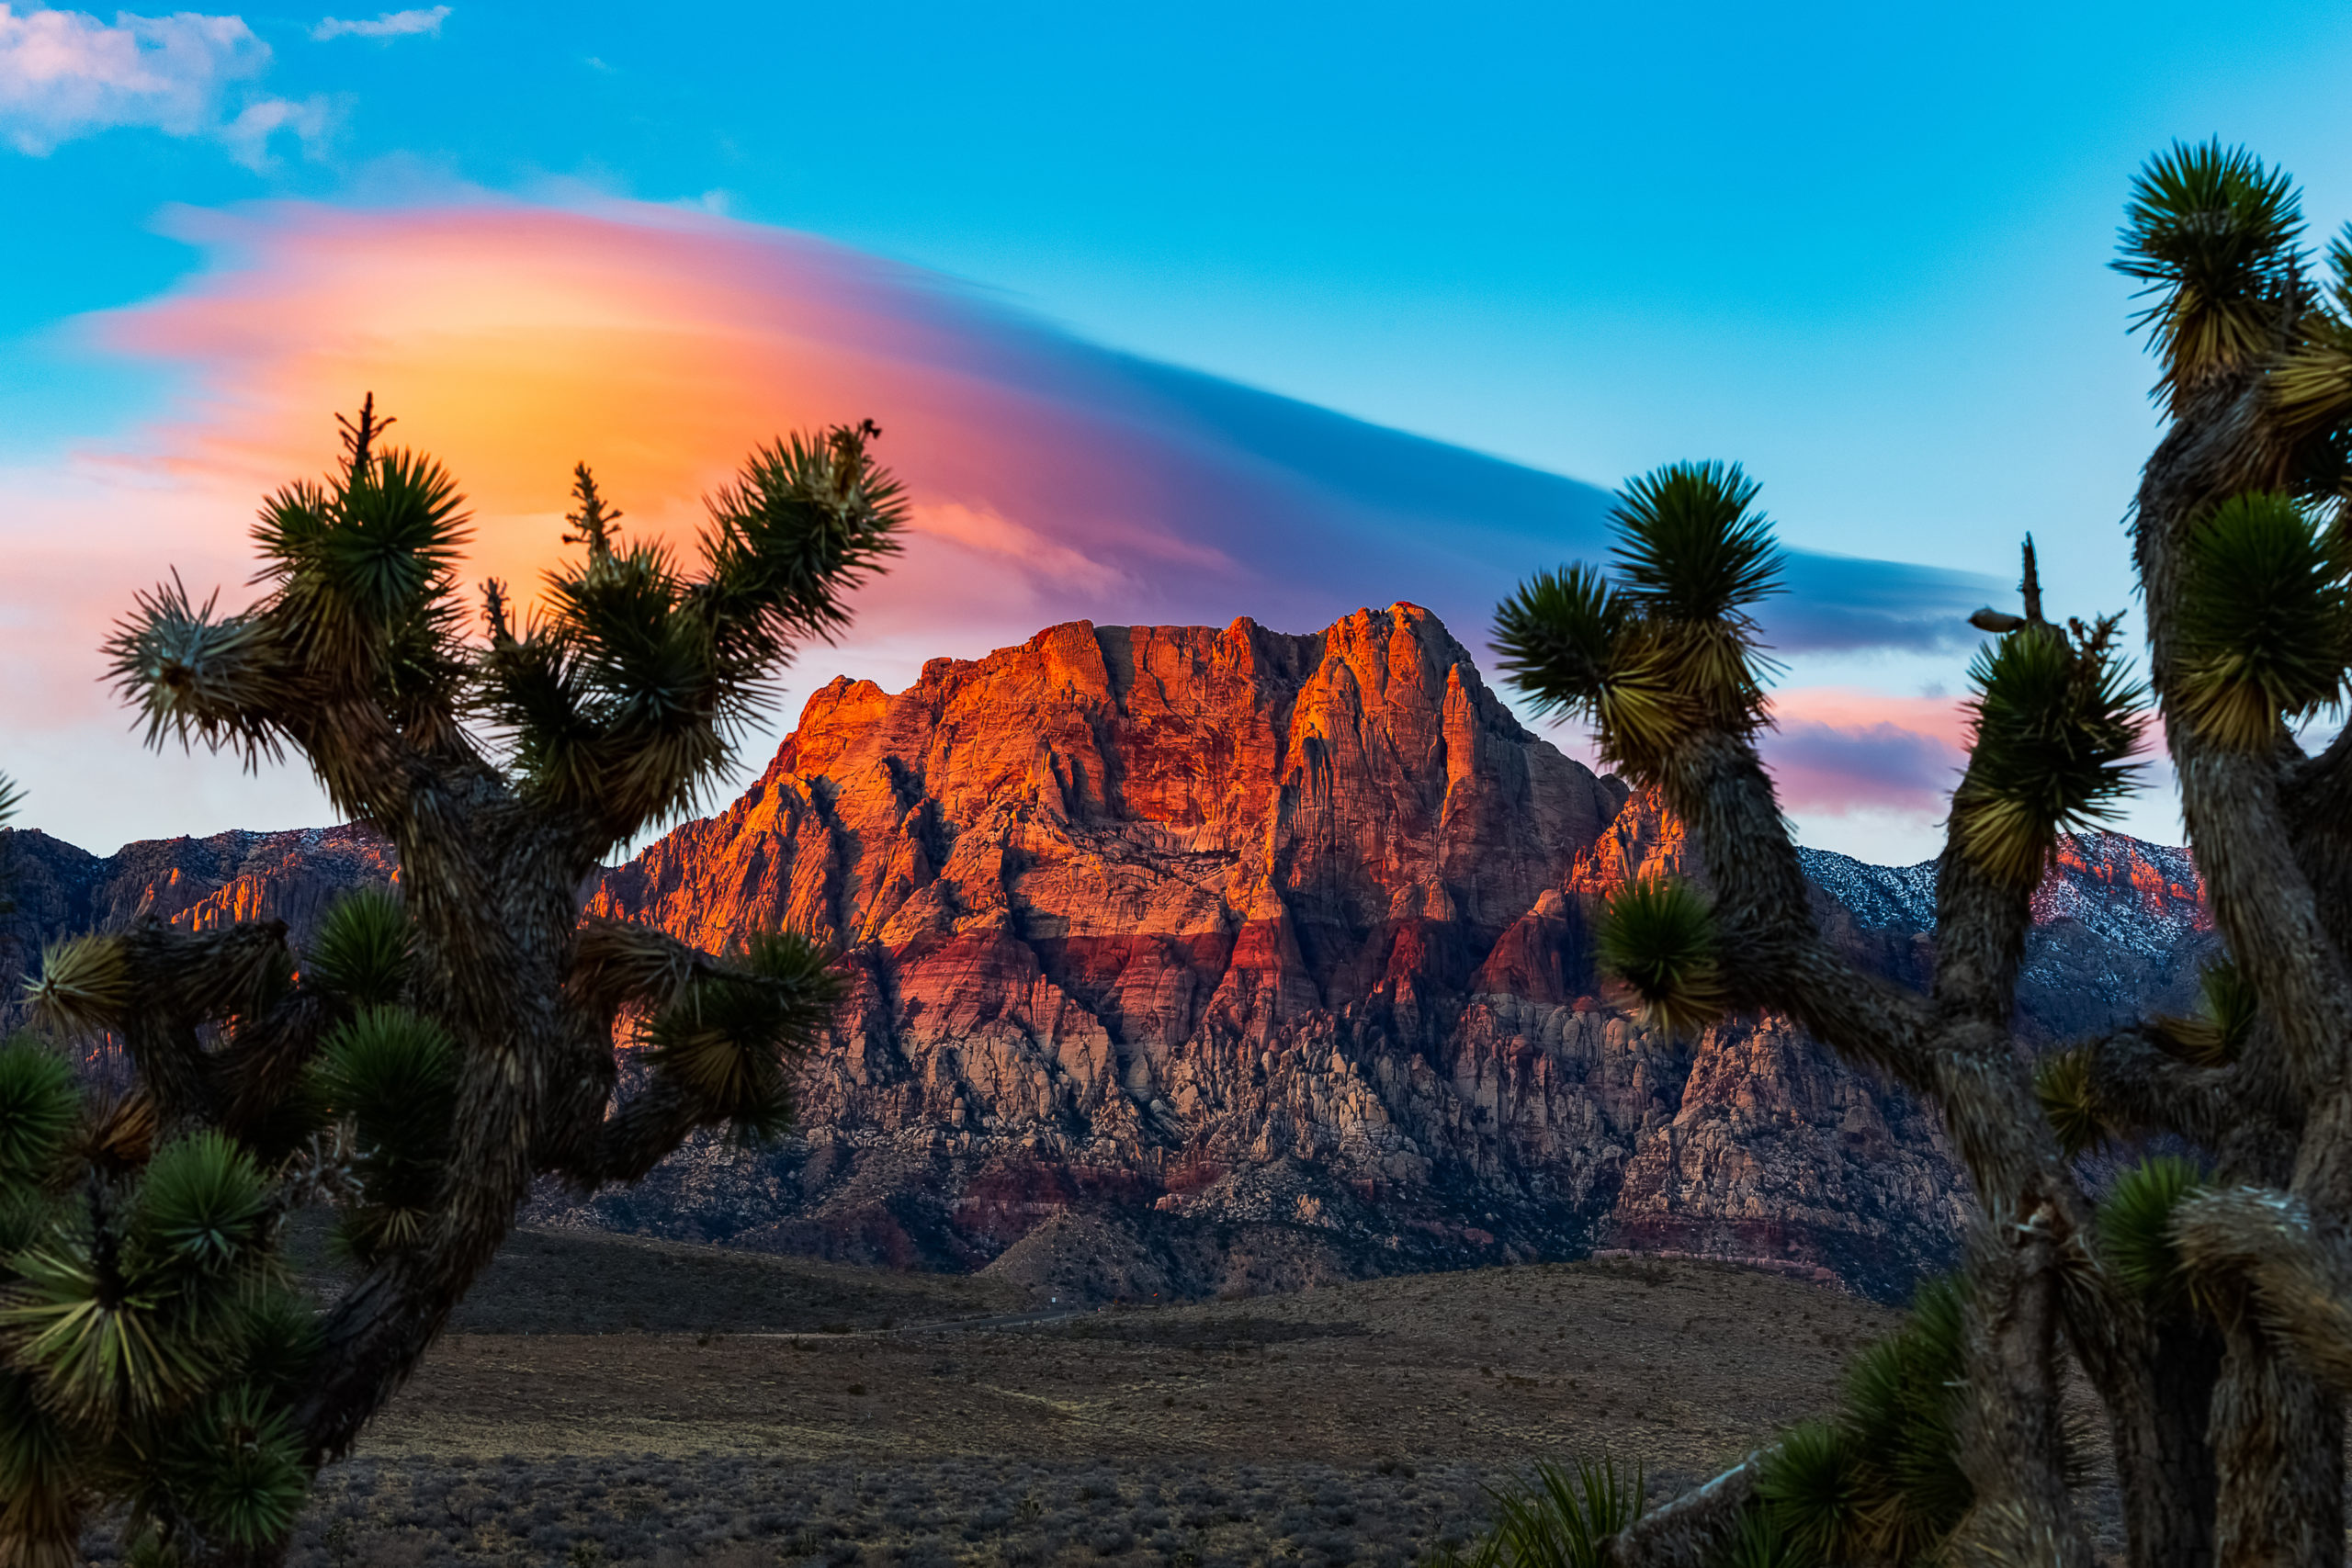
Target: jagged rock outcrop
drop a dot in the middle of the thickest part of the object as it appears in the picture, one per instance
(51, 889)
(1281, 939)
(1191, 960)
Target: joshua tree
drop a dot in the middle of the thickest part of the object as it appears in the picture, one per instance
(443, 1046)
(2209, 1303)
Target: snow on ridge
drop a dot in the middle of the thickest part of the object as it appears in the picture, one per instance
(2121, 888)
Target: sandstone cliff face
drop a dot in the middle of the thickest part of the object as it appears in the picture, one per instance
(53, 889)
(1281, 940)
(1192, 960)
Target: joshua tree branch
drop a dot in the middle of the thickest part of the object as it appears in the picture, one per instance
(2300, 1281)
(1693, 1530)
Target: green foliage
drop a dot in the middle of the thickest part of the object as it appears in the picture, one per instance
(84, 983)
(2062, 1082)
(1562, 1519)
(1559, 637)
(2136, 1227)
(726, 1036)
(2265, 620)
(364, 568)
(1809, 1486)
(1669, 650)
(361, 953)
(393, 1076)
(2053, 718)
(624, 697)
(236, 1465)
(201, 1211)
(1659, 937)
(11, 797)
(1761, 1542)
(2214, 1035)
(38, 1107)
(1880, 1480)
(2213, 235)
(1691, 547)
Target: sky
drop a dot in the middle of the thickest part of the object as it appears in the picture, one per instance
(1175, 314)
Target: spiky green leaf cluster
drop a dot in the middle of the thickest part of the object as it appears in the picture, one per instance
(361, 952)
(2136, 1227)
(151, 1348)
(85, 983)
(618, 703)
(2214, 1035)
(625, 695)
(1668, 649)
(1659, 938)
(1561, 1517)
(1882, 1481)
(2265, 620)
(2062, 1083)
(2213, 235)
(726, 1037)
(392, 1075)
(38, 1107)
(2055, 718)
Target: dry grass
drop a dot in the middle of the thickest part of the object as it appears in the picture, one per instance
(1349, 1424)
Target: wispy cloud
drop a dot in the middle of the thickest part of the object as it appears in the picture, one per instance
(1052, 479)
(392, 23)
(66, 74)
(1833, 750)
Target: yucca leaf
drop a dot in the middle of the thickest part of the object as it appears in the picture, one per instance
(394, 1073)
(1809, 1486)
(236, 1467)
(1562, 1519)
(1689, 546)
(84, 983)
(2054, 719)
(2214, 235)
(2225, 1017)
(2062, 1082)
(103, 1350)
(38, 1107)
(201, 1210)
(1559, 639)
(361, 952)
(2135, 1226)
(1659, 938)
(40, 1478)
(2265, 620)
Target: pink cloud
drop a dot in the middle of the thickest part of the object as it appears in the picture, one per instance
(1050, 479)
(1834, 749)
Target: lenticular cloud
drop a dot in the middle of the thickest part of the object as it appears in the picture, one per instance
(1052, 479)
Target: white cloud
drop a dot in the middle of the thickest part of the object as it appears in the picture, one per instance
(66, 74)
(392, 23)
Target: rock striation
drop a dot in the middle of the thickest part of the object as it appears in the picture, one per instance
(1244, 958)
(1192, 960)
(50, 890)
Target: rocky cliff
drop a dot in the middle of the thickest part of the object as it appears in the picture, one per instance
(1200, 959)
(1194, 959)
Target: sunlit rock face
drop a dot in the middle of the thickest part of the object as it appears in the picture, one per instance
(51, 889)
(1274, 947)
(1190, 960)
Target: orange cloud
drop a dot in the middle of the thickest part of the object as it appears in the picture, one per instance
(1049, 478)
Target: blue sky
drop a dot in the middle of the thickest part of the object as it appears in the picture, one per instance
(1861, 250)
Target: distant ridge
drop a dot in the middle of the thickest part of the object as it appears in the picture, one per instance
(1192, 960)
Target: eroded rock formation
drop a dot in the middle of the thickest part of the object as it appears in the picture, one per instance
(1190, 959)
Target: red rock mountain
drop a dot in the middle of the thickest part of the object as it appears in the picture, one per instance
(1190, 959)
(1245, 957)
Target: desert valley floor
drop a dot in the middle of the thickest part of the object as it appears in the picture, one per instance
(608, 1399)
